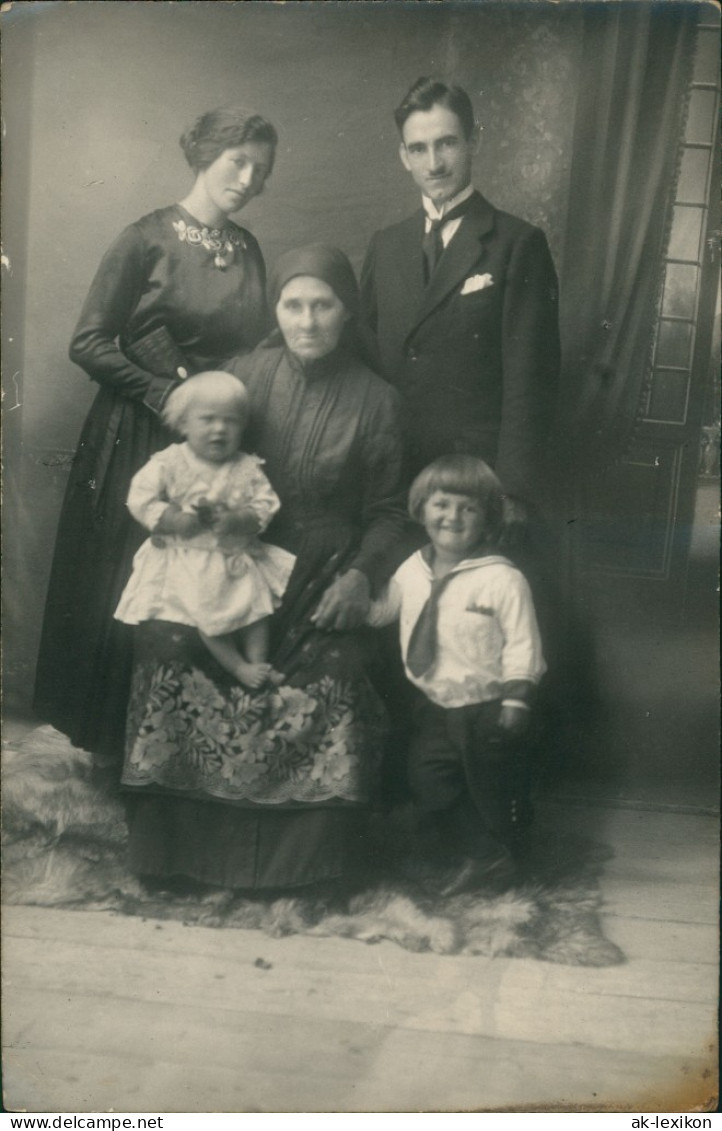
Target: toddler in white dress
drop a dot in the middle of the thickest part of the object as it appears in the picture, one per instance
(205, 503)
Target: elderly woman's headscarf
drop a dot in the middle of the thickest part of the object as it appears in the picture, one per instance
(322, 262)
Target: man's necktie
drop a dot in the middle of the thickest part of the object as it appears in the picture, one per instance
(432, 243)
(433, 246)
(421, 652)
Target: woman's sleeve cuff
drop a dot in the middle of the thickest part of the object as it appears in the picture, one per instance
(158, 392)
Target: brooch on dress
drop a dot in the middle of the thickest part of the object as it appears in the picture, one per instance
(223, 243)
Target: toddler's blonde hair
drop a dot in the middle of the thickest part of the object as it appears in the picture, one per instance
(214, 383)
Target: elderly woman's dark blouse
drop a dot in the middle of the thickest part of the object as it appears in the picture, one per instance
(329, 433)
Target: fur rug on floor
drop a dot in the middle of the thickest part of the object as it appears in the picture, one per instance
(64, 846)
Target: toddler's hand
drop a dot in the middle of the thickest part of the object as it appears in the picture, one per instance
(206, 511)
(228, 522)
(178, 522)
(188, 525)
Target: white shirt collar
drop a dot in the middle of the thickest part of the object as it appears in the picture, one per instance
(424, 557)
(435, 213)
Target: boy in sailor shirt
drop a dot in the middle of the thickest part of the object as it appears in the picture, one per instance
(471, 647)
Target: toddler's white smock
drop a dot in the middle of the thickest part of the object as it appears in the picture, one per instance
(216, 586)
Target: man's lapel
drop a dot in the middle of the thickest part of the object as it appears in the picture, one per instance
(465, 251)
(409, 260)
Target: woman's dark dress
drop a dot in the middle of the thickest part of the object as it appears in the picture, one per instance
(263, 789)
(161, 271)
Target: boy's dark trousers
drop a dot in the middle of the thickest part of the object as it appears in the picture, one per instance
(469, 781)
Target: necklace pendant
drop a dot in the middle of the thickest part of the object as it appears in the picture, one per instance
(220, 262)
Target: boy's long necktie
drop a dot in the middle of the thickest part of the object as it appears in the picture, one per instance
(432, 243)
(421, 652)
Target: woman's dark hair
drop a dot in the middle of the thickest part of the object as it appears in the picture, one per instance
(224, 128)
(427, 93)
(461, 475)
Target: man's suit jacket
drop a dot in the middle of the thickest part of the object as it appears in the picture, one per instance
(475, 354)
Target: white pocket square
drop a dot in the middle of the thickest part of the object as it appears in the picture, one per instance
(477, 283)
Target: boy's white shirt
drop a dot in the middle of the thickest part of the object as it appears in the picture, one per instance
(487, 632)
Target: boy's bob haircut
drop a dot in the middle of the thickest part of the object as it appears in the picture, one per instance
(214, 383)
(460, 475)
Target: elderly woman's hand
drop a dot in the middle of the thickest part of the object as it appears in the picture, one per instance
(345, 604)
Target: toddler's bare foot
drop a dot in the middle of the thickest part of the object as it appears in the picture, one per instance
(252, 676)
(276, 678)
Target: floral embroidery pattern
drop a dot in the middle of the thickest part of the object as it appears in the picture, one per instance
(222, 242)
(274, 745)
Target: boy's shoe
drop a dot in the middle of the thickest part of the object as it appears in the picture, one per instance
(496, 875)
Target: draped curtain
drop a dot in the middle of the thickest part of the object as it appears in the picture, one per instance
(636, 69)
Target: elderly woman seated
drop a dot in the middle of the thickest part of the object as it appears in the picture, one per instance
(267, 788)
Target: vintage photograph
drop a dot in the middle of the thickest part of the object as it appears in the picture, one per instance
(361, 526)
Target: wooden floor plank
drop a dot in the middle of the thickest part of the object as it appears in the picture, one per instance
(170, 1059)
(106, 1011)
(507, 999)
(530, 1006)
(667, 901)
(637, 937)
(626, 828)
(688, 865)
(382, 979)
(657, 941)
(54, 1080)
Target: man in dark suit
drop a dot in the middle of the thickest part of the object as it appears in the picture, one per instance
(461, 300)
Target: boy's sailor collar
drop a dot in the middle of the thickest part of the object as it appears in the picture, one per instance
(425, 555)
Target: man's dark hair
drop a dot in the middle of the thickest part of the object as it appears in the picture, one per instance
(427, 93)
